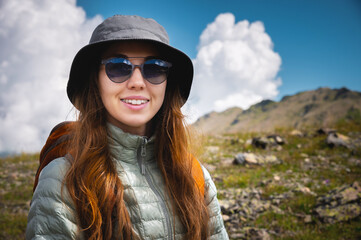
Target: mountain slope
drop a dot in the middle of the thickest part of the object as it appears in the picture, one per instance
(317, 108)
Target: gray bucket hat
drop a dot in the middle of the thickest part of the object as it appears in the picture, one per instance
(121, 28)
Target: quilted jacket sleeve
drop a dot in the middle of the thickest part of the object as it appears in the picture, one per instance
(52, 213)
(218, 231)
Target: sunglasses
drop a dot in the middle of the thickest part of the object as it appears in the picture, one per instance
(120, 69)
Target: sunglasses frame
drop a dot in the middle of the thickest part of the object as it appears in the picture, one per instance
(140, 66)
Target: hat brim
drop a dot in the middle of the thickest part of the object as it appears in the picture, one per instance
(181, 72)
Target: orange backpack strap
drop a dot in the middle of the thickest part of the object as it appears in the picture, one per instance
(54, 147)
(197, 173)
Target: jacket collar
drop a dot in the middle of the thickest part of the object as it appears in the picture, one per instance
(124, 145)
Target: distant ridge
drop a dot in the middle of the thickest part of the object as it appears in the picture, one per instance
(322, 107)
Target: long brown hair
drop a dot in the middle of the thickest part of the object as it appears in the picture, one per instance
(93, 182)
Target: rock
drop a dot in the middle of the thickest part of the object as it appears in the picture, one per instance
(276, 178)
(239, 159)
(339, 213)
(276, 209)
(248, 205)
(322, 158)
(343, 137)
(212, 149)
(340, 204)
(258, 206)
(355, 161)
(277, 199)
(255, 233)
(351, 194)
(235, 141)
(279, 148)
(226, 206)
(260, 142)
(308, 219)
(248, 143)
(304, 190)
(325, 131)
(269, 141)
(271, 159)
(236, 235)
(226, 162)
(253, 159)
(245, 158)
(337, 140)
(297, 133)
(277, 139)
(226, 218)
(226, 194)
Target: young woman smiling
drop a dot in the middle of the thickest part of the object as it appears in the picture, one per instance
(133, 103)
(128, 172)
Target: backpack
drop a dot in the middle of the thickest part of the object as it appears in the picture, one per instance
(55, 147)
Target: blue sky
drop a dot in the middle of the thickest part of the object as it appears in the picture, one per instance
(319, 41)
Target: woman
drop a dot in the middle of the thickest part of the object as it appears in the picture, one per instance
(128, 173)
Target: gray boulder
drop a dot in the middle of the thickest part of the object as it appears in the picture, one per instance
(277, 139)
(340, 204)
(338, 140)
(261, 142)
(273, 140)
(253, 159)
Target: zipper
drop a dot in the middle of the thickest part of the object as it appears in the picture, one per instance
(143, 154)
(145, 172)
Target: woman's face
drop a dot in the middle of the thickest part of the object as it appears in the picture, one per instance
(119, 98)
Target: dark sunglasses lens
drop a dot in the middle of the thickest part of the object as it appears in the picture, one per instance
(155, 71)
(118, 70)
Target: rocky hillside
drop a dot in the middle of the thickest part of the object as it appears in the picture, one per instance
(323, 107)
(290, 185)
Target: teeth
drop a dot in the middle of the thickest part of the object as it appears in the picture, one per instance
(134, 101)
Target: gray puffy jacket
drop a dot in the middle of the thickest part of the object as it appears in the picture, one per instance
(52, 216)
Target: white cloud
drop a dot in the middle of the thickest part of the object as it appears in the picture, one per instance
(38, 42)
(235, 66)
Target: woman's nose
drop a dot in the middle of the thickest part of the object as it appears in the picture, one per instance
(136, 81)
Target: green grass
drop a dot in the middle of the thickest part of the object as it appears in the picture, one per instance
(12, 226)
(301, 202)
(281, 222)
(16, 178)
(273, 189)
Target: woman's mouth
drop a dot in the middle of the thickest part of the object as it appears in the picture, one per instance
(135, 101)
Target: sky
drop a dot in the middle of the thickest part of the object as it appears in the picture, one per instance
(243, 51)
